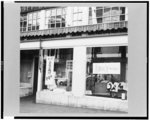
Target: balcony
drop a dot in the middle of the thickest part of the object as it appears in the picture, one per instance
(99, 28)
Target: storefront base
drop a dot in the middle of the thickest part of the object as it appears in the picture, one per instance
(67, 99)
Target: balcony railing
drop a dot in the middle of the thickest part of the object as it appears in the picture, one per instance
(85, 28)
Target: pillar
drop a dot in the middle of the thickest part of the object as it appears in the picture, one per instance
(79, 71)
(40, 71)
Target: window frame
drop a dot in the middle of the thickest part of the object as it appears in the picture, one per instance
(110, 15)
(36, 19)
(22, 27)
(61, 22)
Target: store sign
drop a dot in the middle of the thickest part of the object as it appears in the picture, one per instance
(106, 68)
(49, 77)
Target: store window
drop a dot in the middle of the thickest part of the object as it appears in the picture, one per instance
(33, 21)
(23, 23)
(55, 18)
(107, 14)
(57, 73)
(106, 71)
(77, 16)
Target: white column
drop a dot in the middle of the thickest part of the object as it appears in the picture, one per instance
(79, 71)
(40, 74)
(39, 87)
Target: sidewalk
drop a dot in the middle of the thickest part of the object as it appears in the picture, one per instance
(28, 105)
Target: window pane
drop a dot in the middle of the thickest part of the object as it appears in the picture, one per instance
(21, 19)
(47, 20)
(52, 25)
(64, 11)
(54, 12)
(30, 16)
(58, 18)
(99, 7)
(106, 19)
(21, 24)
(90, 21)
(53, 18)
(34, 22)
(99, 20)
(25, 18)
(115, 18)
(24, 24)
(52, 21)
(59, 11)
(49, 25)
(21, 29)
(37, 27)
(104, 75)
(106, 11)
(122, 10)
(90, 13)
(99, 13)
(115, 11)
(33, 27)
(29, 23)
(122, 17)
(63, 24)
(34, 15)
(48, 13)
(37, 22)
(57, 24)
(24, 29)
(63, 18)
(29, 28)
(38, 14)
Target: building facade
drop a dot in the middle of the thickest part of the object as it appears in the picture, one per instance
(75, 56)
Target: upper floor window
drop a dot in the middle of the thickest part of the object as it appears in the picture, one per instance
(23, 23)
(55, 18)
(33, 21)
(77, 16)
(106, 14)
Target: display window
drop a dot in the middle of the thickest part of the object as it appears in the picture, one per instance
(57, 69)
(106, 71)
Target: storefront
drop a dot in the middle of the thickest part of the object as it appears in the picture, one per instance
(84, 72)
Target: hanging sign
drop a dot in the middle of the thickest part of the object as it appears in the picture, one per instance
(49, 77)
(106, 68)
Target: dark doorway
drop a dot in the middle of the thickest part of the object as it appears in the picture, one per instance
(36, 61)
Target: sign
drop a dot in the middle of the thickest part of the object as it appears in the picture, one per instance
(49, 77)
(106, 68)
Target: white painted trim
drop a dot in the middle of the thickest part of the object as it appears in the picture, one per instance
(70, 43)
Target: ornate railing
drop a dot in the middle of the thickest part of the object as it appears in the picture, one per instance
(85, 28)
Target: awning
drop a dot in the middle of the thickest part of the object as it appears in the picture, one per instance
(86, 28)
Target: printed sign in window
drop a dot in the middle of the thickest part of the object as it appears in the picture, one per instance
(106, 68)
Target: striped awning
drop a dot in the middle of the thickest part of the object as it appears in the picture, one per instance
(85, 28)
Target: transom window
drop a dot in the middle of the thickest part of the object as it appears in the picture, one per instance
(106, 14)
(23, 23)
(55, 18)
(33, 21)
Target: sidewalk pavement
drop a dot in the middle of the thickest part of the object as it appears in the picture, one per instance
(28, 105)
